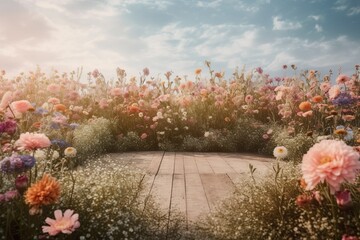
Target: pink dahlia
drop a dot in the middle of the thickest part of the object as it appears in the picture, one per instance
(32, 141)
(66, 223)
(330, 161)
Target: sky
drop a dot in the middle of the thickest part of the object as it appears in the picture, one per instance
(179, 35)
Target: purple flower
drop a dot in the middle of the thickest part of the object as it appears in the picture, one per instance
(343, 99)
(17, 163)
(29, 161)
(10, 195)
(8, 127)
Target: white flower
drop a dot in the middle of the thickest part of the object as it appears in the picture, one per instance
(141, 114)
(55, 155)
(280, 152)
(40, 155)
(70, 152)
(206, 134)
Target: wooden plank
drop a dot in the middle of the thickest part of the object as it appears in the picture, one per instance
(217, 188)
(167, 163)
(155, 163)
(196, 200)
(178, 198)
(190, 164)
(239, 165)
(203, 164)
(218, 164)
(236, 178)
(179, 163)
(161, 190)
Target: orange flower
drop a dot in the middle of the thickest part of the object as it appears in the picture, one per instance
(46, 191)
(36, 124)
(305, 106)
(197, 71)
(134, 108)
(317, 99)
(60, 107)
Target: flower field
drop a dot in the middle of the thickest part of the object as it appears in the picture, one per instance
(53, 126)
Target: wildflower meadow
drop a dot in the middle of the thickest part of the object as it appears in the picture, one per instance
(54, 126)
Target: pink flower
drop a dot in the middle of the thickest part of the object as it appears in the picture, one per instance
(6, 99)
(325, 86)
(115, 92)
(343, 198)
(22, 106)
(342, 79)
(53, 88)
(66, 223)
(249, 99)
(54, 101)
(347, 237)
(103, 103)
(32, 141)
(330, 161)
(146, 71)
(143, 136)
(334, 91)
(10, 195)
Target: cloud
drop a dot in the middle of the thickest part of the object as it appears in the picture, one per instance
(279, 24)
(354, 11)
(315, 17)
(345, 6)
(209, 4)
(318, 28)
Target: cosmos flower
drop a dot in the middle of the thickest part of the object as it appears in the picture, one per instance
(66, 223)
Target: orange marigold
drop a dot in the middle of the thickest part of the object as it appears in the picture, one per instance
(60, 107)
(46, 191)
(305, 106)
(317, 99)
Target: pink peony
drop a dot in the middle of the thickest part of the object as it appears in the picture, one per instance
(66, 223)
(32, 141)
(21, 106)
(330, 161)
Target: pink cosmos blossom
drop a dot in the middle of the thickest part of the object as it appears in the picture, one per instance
(21, 106)
(334, 92)
(330, 161)
(66, 223)
(32, 141)
(341, 79)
